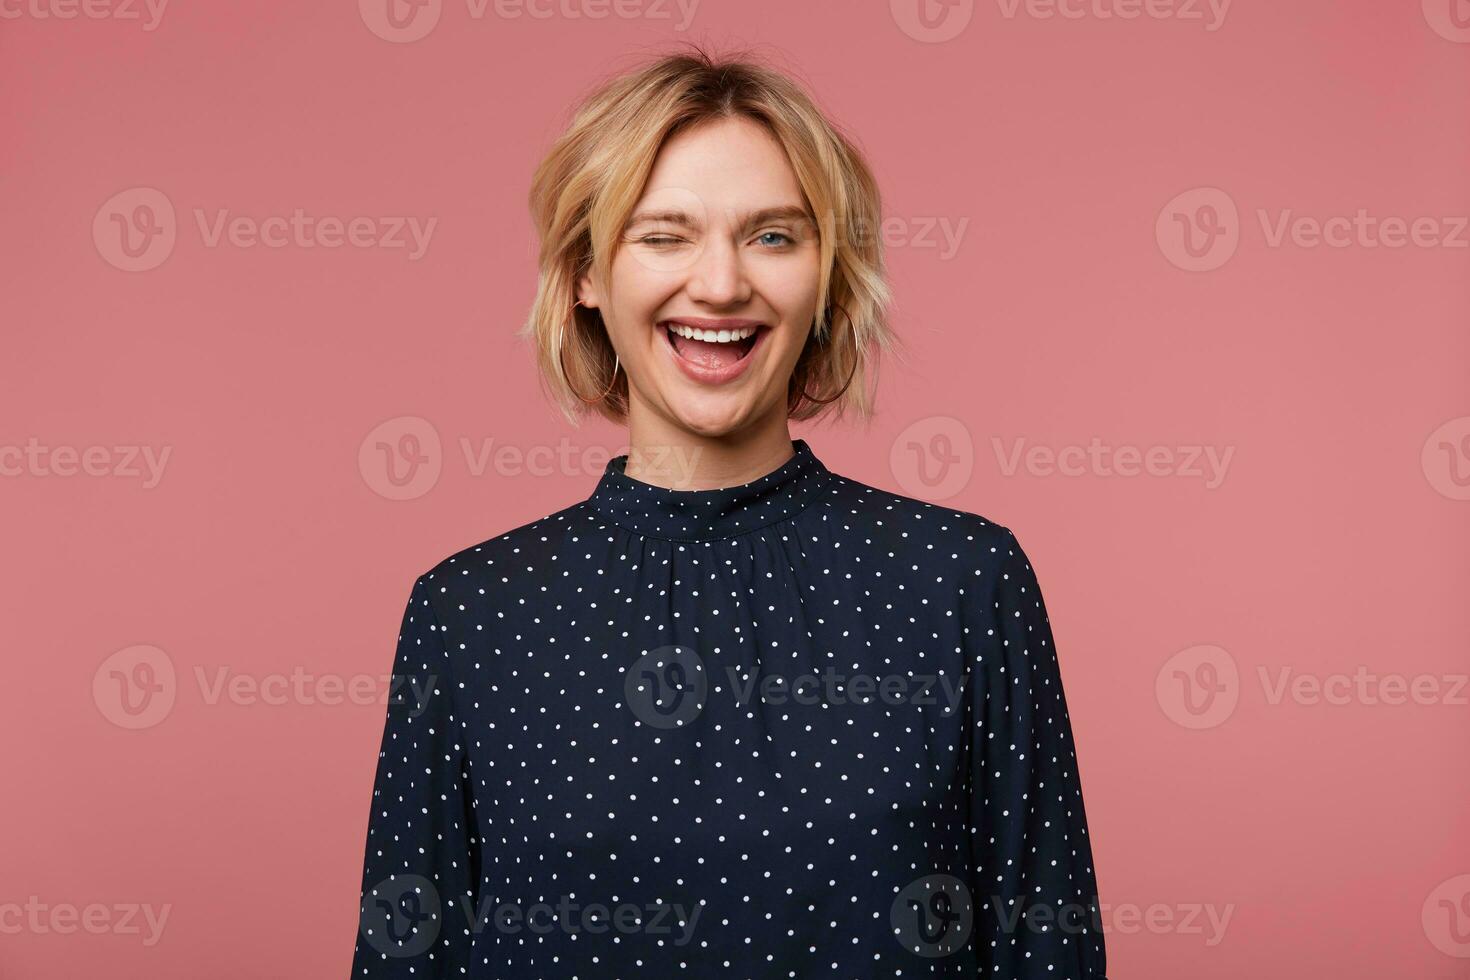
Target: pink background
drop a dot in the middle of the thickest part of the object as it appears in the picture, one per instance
(1331, 835)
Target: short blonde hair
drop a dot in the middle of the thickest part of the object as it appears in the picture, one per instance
(587, 186)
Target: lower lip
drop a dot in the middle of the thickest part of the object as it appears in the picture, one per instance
(713, 376)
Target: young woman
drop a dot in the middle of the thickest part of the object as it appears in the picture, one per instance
(734, 714)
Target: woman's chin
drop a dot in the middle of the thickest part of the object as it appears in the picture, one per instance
(710, 414)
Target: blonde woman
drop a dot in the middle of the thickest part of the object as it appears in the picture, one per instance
(733, 714)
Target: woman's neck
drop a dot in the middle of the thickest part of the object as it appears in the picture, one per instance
(667, 455)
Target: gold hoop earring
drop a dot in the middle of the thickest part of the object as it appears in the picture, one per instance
(802, 395)
(561, 361)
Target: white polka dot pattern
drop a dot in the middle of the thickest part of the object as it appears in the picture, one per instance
(798, 728)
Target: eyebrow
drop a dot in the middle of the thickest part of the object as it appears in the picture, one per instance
(675, 216)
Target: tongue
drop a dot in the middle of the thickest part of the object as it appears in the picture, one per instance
(706, 354)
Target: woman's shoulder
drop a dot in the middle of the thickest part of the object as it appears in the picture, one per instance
(515, 555)
(909, 521)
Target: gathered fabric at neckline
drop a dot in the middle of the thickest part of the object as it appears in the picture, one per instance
(709, 515)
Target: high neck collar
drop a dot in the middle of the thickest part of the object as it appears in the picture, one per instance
(708, 515)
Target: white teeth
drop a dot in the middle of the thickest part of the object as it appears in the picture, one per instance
(712, 336)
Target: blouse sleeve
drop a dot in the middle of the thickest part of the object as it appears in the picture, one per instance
(1036, 900)
(421, 865)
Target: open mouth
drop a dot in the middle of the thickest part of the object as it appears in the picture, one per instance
(709, 349)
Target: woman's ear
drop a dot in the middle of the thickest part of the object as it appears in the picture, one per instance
(587, 292)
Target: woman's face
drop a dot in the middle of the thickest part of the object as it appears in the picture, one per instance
(714, 284)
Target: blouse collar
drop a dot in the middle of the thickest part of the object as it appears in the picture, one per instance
(708, 515)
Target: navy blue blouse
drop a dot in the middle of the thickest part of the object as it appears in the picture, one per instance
(797, 728)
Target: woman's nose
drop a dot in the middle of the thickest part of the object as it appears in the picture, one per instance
(717, 276)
